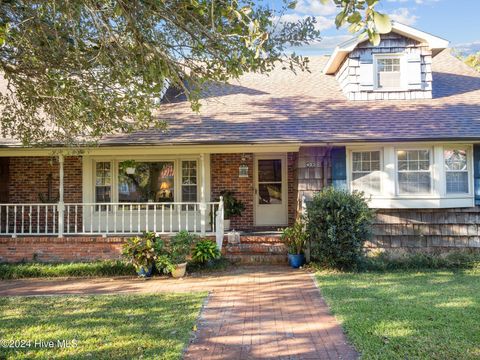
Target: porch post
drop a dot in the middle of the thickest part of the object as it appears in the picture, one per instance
(219, 225)
(203, 205)
(60, 205)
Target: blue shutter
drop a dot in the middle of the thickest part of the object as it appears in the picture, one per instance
(476, 172)
(339, 168)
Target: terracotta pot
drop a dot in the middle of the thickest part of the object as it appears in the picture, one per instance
(179, 271)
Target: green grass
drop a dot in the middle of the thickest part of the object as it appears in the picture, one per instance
(408, 315)
(36, 270)
(105, 327)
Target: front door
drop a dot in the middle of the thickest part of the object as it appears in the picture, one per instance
(270, 190)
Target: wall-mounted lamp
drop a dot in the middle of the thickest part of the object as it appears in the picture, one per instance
(243, 168)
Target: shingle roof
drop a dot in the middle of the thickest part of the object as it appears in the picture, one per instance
(310, 107)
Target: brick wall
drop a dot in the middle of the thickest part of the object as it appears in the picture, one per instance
(29, 178)
(224, 176)
(53, 249)
(427, 229)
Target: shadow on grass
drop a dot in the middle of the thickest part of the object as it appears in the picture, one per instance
(127, 326)
(434, 314)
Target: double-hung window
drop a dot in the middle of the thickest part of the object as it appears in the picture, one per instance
(456, 171)
(388, 73)
(414, 172)
(366, 171)
(103, 181)
(189, 181)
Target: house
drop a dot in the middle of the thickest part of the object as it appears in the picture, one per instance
(399, 121)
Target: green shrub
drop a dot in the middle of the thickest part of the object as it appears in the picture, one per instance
(295, 238)
(205, 250)
(338, 224)
(141, 250)
(43, 270)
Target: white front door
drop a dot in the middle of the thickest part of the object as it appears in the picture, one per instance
(270, 190)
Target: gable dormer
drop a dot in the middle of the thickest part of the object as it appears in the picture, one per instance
(399, 68)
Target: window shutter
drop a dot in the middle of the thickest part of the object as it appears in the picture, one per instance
(414, 71)
(339, 168)
(366, 73)
(476, 172)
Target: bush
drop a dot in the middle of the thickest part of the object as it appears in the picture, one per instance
(338, 224)
(140, 251)
(205, 250)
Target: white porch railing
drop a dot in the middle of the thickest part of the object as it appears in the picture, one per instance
(111, 218)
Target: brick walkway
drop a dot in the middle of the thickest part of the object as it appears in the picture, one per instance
(252, 312)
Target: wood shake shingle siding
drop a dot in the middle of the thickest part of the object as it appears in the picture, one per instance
(357, 73)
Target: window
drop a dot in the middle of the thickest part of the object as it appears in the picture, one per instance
(189, 181)
(103, 182)
(366, 171)
(456, 171)
(270, 181)
(146, 181)
(414, 174)
(388, 73)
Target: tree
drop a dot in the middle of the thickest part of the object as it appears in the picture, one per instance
(473, 60)
(77, 70)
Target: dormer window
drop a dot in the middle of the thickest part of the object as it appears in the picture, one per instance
(388, 74)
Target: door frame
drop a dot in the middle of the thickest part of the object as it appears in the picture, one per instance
(284, 159)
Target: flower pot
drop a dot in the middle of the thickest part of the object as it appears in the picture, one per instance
(179, 270)
(296, 260)
(226, 224)
(145, 271)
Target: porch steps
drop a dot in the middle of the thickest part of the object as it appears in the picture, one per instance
(256, 249)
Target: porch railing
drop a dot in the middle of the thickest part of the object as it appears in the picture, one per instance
(111, 218)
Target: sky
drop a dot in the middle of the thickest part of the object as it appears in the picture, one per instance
(455, 20)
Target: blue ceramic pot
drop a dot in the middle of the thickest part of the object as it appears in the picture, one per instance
(296, 260)
(145, 271)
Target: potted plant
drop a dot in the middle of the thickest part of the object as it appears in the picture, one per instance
(141, 253)
(295, 238)
(205, 252)
(172, 257)
(231, 207)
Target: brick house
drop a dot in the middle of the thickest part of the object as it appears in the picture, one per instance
(399, 121)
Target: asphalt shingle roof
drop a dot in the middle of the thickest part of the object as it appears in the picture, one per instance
(310, 107)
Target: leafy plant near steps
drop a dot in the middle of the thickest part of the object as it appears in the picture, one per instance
(205, 250)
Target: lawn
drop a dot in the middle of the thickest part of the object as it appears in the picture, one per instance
(408, 315)
(103, 327)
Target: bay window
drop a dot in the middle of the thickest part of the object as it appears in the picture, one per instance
(456, 169)
(366, 171)
(414, 173)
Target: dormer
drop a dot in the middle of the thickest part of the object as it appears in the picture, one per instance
(399, 68)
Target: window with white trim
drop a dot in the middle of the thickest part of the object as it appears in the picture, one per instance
(414, 174)
(388, 73)
(103, 181)
(366, 171)
(456, 171)
(189, 181)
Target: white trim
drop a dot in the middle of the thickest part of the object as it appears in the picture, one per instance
(435, 43)
(403, 72)
(437, 198)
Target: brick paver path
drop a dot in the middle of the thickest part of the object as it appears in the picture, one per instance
(251, 313)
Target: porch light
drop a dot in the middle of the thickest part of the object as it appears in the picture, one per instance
(243, 171)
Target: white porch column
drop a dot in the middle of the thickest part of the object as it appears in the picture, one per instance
(61, 206)
(203, 205)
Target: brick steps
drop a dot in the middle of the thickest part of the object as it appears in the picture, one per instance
(256, 249)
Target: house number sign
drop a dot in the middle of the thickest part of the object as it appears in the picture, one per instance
(311, 164)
